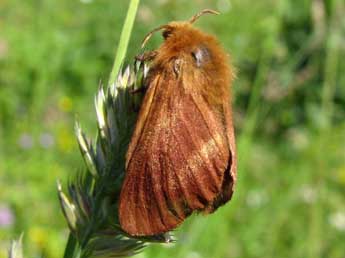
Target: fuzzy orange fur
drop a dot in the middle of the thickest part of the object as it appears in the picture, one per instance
(215, 76)
(182, 155)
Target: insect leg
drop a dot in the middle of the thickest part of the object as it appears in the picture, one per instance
(146, 56)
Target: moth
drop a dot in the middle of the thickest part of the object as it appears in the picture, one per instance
(181, 158)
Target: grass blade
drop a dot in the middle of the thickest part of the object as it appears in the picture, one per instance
(124, 39)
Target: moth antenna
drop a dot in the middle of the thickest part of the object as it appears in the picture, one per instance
(205, 11)
(149, 35)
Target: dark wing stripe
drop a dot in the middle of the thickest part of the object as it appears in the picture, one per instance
(231, 139)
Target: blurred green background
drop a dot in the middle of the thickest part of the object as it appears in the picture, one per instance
(289, 101)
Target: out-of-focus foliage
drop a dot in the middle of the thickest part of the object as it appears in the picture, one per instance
(289, 101)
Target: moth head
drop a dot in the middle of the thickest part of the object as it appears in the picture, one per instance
(169, 28)
(183, 41)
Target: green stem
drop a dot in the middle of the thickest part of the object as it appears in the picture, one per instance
(70, 247)
(124, 39)
(330, 73)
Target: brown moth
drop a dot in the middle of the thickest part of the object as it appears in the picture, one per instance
(182, 155)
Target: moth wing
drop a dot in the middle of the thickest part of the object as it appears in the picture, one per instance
(142, 116)
(230, 175)
(176, 159)
(224, 114)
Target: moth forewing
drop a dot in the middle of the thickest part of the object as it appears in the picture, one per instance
(181, 157)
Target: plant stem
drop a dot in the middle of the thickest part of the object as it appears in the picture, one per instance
(124, 39)
(70, 247)
(331, 65)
